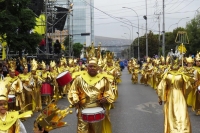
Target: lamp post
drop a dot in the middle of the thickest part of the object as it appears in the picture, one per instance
(137, 32)
(127, 49)
(180, 20)
(130, 35)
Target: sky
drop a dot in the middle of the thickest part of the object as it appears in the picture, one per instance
(111, 20)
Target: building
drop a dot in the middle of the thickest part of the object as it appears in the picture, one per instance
(82, 21)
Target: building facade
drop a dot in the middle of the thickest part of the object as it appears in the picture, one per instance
(82, 21)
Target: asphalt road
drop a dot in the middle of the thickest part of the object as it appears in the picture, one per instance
(136, 111)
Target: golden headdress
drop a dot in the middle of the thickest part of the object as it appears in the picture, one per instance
(189, 60)
(51, 117)
(91, 56)
(110, 57)
(43, 65)
(63, 61)
(197, 57)
(12, 65)
(75, 61)
(4, 90)
(34, 65)
(157, 61)
(168, 60)
(148, 59)
(162, 59)
(52, 64)
(23, 62)
(99, 56)
(71, 61)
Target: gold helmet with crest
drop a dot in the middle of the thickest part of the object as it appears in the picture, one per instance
(51, 117)
(12, 64)
(189, 60)
(43, 65)
(34, 65)
(52, 64)
(197, 57)
(109, 57)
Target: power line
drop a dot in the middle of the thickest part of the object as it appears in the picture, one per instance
(110, 15)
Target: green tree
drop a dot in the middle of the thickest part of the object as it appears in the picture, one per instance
(77, 47)
(193, 30)
(17, 21)
(153, 45)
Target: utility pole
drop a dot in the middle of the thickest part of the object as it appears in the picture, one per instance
(157, 14)
(91, 22)
(159, 35)
(163, 39)
(146, 33)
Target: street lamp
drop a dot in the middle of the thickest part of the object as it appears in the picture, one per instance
(137, 32)
(130, 33)
(132, 30)
(126, 49)
(181, 19)
(171, 26)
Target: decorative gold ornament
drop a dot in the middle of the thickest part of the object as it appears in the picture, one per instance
(34, 65)
(182, 49)
(4, 90)
(52, 64)
(189, 60)
(197, 57)
(51, 117)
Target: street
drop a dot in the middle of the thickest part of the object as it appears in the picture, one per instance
(136, 111)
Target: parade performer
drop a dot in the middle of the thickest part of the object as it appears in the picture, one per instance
(10, 121)
(50, 118)
(110, 69)
(146, 73)
(189, 69)
(135, 71)
(37, 81)
(47, 84)
(54, 74)
(171, 91)
(196, 105)
(91, 90)
(16, 91)
(27, 87)
(156, 73)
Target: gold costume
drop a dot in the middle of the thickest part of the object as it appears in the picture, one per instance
(85, 91)
(27, 90)
(9, 121)
(37, 81)
(135, 71)
(171, 90)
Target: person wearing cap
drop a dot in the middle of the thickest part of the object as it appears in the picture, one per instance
(10, 121)
(91, 89)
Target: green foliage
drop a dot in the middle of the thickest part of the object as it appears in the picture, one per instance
(16, 23)
(153, 45)
(193, 30)
(77, 47)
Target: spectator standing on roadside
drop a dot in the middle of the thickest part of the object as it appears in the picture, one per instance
(57, 47)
